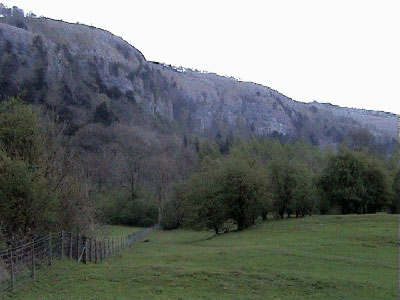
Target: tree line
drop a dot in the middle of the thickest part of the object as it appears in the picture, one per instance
(50, 181)
(264, 176)
(136, 176)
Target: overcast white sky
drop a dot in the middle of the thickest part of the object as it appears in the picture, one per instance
(343, 52)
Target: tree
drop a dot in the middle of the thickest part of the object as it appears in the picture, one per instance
(393, 165)
(395, 206)
(162, 169)
(27, 202)
(20, 134)
(304, 192)
(204, 205)
(291, 185)
(241, 187)
(14, 16)
(225, 188)
(356, 182)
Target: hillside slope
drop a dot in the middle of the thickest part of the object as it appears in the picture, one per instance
(88, 75)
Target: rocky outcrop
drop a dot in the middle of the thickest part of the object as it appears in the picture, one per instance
(86, 75)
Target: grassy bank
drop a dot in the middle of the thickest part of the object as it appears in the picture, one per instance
(320, 257)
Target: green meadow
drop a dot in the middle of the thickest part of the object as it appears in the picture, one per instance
(320, 257)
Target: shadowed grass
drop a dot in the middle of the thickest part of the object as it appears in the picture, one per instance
(320, 257)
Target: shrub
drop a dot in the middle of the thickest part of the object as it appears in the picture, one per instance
(122, 208)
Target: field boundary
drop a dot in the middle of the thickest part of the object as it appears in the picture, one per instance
(19, 263)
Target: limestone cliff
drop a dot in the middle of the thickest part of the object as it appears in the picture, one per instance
(88, 75)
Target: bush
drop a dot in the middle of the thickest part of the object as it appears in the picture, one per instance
(122, 208)
(171, 217)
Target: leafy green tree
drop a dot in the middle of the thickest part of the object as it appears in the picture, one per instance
(393, 165)
(304, 193)
(26, 201)
(291, 185)
(208, 149)
(204, 203)
(356, 182)
(241, 187)
(225, 188)
(395, 205)
(20, 133)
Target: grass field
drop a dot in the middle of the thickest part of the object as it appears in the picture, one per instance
(320, 257)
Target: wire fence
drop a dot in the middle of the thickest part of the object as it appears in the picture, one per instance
(20, 263)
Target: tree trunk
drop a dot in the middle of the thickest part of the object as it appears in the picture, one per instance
(264, 215)
(216, 229)
(240, 222)
(281, 213)
(159, 214)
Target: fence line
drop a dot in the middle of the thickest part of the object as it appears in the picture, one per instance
(21, 262)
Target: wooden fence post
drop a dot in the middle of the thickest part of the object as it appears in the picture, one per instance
(33, 275)
(70, 245)
(50, 249)
(12, 269)
(62, 244)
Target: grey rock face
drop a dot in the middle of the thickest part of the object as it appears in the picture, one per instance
(75, 68)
